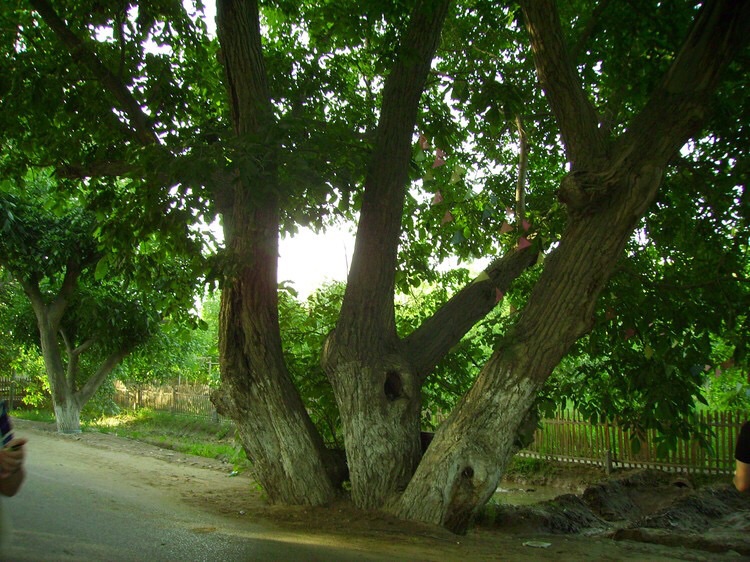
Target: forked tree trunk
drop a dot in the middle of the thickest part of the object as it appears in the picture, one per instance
(469, 453)
(376, 389)
(609, 189)
(67, 400)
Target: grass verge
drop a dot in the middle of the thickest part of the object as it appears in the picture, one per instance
(181, 433)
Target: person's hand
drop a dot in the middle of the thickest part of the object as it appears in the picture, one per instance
(12, 456)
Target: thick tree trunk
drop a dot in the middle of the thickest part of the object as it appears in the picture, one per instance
(468, 455)
(379, 402)
(68, 416)
(289, 458)
(376, 388)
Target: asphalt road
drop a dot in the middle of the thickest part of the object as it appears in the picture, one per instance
(87, 504)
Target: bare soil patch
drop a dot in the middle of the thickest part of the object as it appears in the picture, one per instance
(635, 515)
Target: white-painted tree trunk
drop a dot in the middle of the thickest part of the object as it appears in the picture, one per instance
(68, 417)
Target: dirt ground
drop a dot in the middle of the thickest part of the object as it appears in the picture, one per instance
(636, 515)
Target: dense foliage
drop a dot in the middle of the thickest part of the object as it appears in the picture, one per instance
(686, 267)
(60, 271)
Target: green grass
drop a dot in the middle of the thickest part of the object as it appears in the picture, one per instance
(181, 433)
(527, 467)
(34, 415)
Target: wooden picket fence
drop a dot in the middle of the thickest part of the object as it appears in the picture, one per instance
(568, 437)
(12, 390)
(179, 399)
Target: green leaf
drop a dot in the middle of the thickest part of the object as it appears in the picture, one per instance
(102, 268)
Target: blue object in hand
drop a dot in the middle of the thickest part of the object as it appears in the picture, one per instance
(5, 428)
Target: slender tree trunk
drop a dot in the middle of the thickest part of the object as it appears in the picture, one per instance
(66, 404)
(67, 398)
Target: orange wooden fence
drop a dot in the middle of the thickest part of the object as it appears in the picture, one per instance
(568, 437)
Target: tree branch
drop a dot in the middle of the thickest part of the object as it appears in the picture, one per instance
(95, 381)
(368, 302)
(523, 164)
(80, 53)
(238, 28)
(106, 168)
(84, 346)
(60, 303)
(66, 341)
(444, 329)
(31, 288)
(678, 107)
(576, 116)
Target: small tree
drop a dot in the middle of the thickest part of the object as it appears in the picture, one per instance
(87, 319)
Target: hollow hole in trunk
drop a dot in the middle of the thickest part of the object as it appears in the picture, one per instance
(393, 387)
(468, 472)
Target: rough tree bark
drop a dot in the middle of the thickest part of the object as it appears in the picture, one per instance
(289, 458)
(610, 187)
(376, 388)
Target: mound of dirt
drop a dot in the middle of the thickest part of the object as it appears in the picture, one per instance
(700, 511)
(635, 494)
(565, 514)
(648, 506)
(714, 519)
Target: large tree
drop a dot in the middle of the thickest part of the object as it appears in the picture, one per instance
(302, 112)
